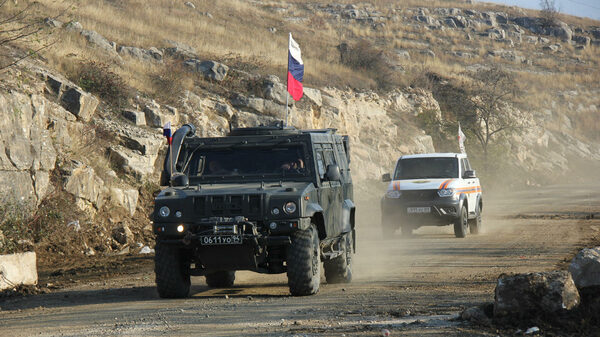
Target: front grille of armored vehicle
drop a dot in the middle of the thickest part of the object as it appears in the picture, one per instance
(247, 205)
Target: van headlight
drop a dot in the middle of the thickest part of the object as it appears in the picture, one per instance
(393, 194)
(289, 207)
(164, 211)
(447, 192)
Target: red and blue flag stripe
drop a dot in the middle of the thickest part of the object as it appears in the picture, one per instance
(295, 70)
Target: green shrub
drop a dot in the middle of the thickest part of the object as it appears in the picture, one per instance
(97, 78)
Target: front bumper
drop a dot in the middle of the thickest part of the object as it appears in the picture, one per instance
(442, 211)
(211, 245)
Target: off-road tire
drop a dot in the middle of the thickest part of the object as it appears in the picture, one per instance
(220, 279)
(304, 262)
(475, 224)
(339, 269)
(461, 226)
(172, 271)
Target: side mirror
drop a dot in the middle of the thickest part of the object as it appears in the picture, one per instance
(179, 179)
(386, 177)
(469, 174)
(333, 173)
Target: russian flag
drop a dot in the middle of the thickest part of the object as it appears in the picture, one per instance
(295, 70)
(167, 132)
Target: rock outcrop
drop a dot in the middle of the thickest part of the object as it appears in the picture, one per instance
(526, 295)
(585, 268)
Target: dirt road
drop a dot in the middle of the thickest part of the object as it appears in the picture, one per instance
(411, 286)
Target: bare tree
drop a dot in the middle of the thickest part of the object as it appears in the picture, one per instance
(488, 108)
(19, 23)
(549, 13)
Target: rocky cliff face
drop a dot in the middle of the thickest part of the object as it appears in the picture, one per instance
(42, 131)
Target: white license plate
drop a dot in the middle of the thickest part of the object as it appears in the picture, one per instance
(209, 240)
(413, 210)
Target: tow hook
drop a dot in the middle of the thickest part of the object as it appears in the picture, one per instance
(187, 239)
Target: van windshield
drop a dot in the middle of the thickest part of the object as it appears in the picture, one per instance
(419, 168)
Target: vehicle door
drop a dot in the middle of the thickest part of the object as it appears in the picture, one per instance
(470, 184)
(330, 193)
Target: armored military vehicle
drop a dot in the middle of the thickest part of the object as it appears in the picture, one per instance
(267, 199)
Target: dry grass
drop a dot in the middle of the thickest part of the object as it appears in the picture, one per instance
(238, 34)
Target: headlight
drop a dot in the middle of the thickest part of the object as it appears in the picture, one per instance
(275, 211)
(164, 211)
(393, 194)
(447, 192)
(178, 214)
(289, 207)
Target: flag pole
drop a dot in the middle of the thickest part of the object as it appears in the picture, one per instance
(287, 95)
(171, 155)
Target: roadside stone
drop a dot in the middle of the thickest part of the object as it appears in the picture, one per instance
(582, 40)
(155, 116)
(476, 315)
(74, 26)
(122, 234)
(553, 47)
(585, 268)
(79, 103)
(18, 269)
(85, 184)
(210, 69)
(273, 89)
(190, 5)
(180, 50)
(313, 96)
(98, 40)
(126, 198)
(522, 295)
(132, 162)
(134, 116)
(155, 53)
(140, 54)
(224, 110)
(53, 23)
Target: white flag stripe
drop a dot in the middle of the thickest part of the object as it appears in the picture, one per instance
(461, 139)
(295, 50)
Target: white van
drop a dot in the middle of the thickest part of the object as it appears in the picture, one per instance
(433, 189)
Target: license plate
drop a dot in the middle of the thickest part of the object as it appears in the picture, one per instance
(413, 210)
(209, 240)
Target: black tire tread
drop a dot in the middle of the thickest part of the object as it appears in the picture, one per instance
(339, 269)
(172, 272)
(459, 230)
(475, 224)
(301, 280)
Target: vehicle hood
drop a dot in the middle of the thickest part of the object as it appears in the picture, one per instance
(233, 188)
(420, 184)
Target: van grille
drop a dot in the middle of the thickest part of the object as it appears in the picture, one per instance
(419, 195)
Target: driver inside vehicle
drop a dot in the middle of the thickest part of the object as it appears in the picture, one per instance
(293, 165)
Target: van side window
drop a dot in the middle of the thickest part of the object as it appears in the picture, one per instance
(463, 167)
(467, 164)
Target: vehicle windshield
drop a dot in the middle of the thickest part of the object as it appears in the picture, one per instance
(419, 168)
(274, 162)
